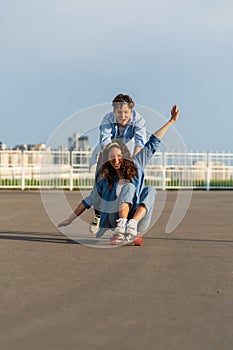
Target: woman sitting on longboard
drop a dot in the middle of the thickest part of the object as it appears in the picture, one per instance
(125, 203)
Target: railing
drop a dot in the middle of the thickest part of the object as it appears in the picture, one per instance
(70, 170)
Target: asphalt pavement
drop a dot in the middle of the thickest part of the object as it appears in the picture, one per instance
(175, 292)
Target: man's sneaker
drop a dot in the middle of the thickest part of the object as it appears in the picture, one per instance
(131, 230)
(95, 224)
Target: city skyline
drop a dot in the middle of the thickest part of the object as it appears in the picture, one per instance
(75, 142)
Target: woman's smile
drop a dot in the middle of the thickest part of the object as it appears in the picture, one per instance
(115, 157)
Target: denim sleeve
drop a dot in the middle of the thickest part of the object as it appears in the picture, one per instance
(106, 130)
(140, 133)
(145, 154)
(89, 201)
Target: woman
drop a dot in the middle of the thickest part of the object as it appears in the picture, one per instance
(126, 203)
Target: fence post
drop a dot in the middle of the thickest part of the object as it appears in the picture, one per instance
(208, 178)
(71, 179)
(22, 172)
(208, 173)
(164, 162)
(164, 178)
(71, 171)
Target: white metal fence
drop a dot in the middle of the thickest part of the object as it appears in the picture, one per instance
(70, 170)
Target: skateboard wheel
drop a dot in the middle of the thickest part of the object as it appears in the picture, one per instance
(138, 240)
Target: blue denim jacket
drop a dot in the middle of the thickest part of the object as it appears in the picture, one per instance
(101, 190)
(136, 129)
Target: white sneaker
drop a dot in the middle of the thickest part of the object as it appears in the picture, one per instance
(95, 224)
(121, 226)
(125, 232)
(131, 230)
(119, 231)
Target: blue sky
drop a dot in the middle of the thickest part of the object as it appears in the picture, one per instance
(58, 57)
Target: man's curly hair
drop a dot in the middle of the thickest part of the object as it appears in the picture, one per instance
(128, 168)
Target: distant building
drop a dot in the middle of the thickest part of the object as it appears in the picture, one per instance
(83, 143)
(32, 147)
(2, 146)
(217, 170)
(80, 146)
(38, 147)
(73, 141)
(78, 143)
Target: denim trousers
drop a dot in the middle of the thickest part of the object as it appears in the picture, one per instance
(147, 198)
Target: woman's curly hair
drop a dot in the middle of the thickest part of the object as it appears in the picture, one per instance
(128, 168)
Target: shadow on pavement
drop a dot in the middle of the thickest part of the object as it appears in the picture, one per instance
(189, 239)
(35, 237)
(54, 238)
